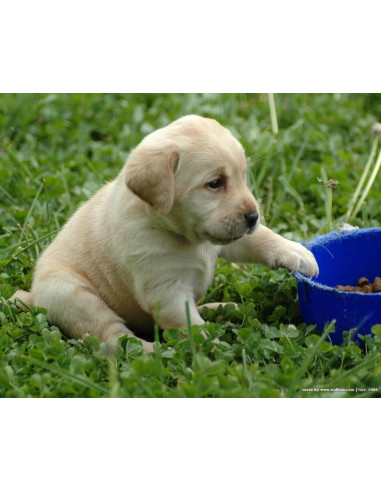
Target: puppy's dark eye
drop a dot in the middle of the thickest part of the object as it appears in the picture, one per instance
(214, 185)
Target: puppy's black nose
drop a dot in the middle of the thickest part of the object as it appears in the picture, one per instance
(251, 219)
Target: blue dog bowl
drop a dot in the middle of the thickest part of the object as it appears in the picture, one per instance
(343, 258)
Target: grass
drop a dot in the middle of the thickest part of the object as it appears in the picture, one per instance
(57, 150)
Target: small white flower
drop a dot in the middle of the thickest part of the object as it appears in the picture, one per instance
(346, 227)
(377, 129)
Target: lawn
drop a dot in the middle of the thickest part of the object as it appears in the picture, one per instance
(57, 150)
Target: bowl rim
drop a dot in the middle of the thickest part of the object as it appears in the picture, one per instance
(326, 238)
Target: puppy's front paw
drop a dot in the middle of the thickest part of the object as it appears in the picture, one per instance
(297, 258)
(216, 305)
(147, 346)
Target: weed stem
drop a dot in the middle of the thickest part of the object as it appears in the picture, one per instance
(274, 120)
(369, 185)
(362, 179)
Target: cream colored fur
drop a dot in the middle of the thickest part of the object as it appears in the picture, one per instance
(152, 237)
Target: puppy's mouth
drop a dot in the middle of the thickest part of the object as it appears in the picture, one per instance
(227, 240)
(224, 240)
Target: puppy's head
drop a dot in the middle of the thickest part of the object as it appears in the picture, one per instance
(193, 174)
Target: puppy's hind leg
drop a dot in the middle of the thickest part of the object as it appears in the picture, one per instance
(216, 305)
(74, 306)
(22, 298)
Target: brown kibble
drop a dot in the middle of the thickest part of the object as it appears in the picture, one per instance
(363, 285)
(346, 288)
(367, 289)
(377, 284)
(363, 281)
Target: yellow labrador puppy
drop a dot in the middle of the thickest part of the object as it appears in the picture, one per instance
(152, 237)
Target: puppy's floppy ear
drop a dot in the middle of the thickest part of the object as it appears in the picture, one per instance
(151, 176)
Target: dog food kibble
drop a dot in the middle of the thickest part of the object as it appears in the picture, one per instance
(377, 284)
(363, 285)
(363, 281)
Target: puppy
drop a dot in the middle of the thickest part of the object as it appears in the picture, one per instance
(147, 243)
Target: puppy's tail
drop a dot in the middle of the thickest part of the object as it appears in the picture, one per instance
(22, 299)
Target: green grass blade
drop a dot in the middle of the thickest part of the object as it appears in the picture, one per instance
(360, 184)
(367, 364)
(32, 243)
(274, 119)
(308, 359)
(9, 197)
(30, 211)
(15, 160)
(189, 327)
(368, 186)
(69, 375)
(291, 191)
(47, 204)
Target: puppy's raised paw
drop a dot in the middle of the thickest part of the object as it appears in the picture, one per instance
(297, 258)
(308, 265)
